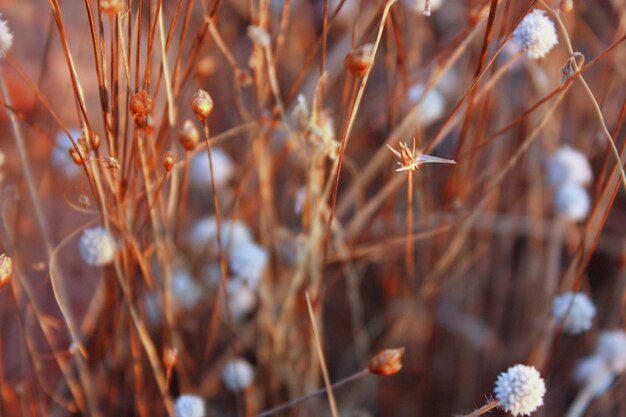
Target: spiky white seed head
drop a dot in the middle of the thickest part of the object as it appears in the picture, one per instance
(189, 406)
(572, 202)
(536, 34)
(96, 246)
(200, 170)
(568, 165)
(6, 37)
(575, 311)
(203, 234)
(611, 348)
(594, 374)
(187, 292)
(247, 261)
(238, 374)
(61, 158)
(520, 390)
(241, 299)
(431, 108)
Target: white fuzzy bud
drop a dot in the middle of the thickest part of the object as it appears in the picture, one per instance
(200, 170)
(186, 291)
(520, 390)
(96, 246)
(575, 311)
(6, 37)
(431, 108)
(203, 234)
(238, 374)
(247, 262)
(611, 348)
(189, 406)
(536, 34)
(568, 165)
(572, 202)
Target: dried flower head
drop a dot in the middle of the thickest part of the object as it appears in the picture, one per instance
(189, 406)
(568, 165)
(386, 362)
(96, 246)
(79, 152)
(520, 390)
(140, 104)
(238, 374)
(6, 37)
(410, 159)
(170, 357)
(536, 34)
(189, 136)
(574, 311)
(572, 202)
(201, 104)
(6, 269)
(360, 59)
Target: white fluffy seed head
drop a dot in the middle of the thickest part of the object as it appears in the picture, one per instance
(238, 374)
(200, 170)
(572, 202)
(520, 390)
(593, 373)
(6, 37)
(432, 107)
(574, 311)
(96, 246)
(247, 261)
(611, 348)
(61, 158)
(189, 406)
(241, 299)
(187, 292)
(536, 34)
(568, 165)
(203, 234)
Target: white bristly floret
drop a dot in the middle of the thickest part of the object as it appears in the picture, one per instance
(203, 235)
(186, 291)
(189, 406)
(572, 202)
(568, 165)
(6, 37)
(61, 158)
(593, 373)
(574, 311)
(247, 262)
(241, 299)
(96, 246)
(200, 170)
(238, 374)
(431, 109)
(611, 348)
(520, 390)
(536, 34)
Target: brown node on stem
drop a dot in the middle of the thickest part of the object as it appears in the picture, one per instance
(6, 269)
(360, 59)
(189, 135)
(386, 362)
(140, 104)
(201, 104)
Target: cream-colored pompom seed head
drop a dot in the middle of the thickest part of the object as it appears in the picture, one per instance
(96, 246)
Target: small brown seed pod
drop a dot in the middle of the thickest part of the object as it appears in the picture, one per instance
(112, 7)
(79, 152)
(169, 160)
(386, 362)
(360, 59)
(201, 104)
(189, 135)
(140, 104)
